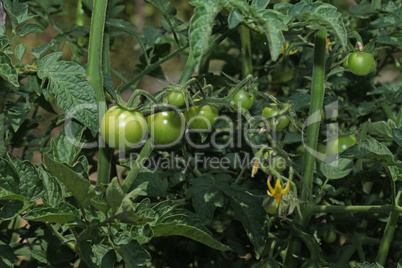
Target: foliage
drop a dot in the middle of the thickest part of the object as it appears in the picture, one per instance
(68, 199)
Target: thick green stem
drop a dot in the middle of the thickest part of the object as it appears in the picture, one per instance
(94, 73)
(357, 209)
(317, 97)
(247, 64)
(135, 170)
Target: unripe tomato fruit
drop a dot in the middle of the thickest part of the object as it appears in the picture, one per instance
(165, 127)
(176, 98)
(361, 63)
(329, 235)
(279, 123)
(269, 205)
(202, 117)
(339, 145)
(283, 74)
(243, 98)
(121, 128)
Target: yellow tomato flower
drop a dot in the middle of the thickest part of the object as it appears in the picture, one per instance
(329, 47)
(277, 192)
(286, 48)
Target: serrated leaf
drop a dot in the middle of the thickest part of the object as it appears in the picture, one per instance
(73, 93)
(381, 129)
(40, 51)
(201, 26)
(19, 51)
(7, 256)
(126, 27)
(17, 112)
(114, 194)
(30, 28)
(397, 135)
(126, 212)
(386, 21)
(342, 168)
(39, 255)
(62, 214)
(321, 15)
(18, 12)
(395, 172)
(235, 18)
(53, 194)
(206, 196)
(79, 186)
(134, 255)
(2, 135)
(370, 149)
(394, 39)
(252, 215)
(7, 70)
(260, 4)
(12, 209)
(185, 225)
(30, 185)
(66, 147)
(95, 256)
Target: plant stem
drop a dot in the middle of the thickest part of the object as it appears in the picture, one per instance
(135, 170)
(317, 97)
(357, 209)
(61, 237)
(247, 65)
(188, 70)
(94, 73)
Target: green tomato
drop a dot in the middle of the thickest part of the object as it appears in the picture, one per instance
(320, 148)
(243, 98)
(284, 74)
(166, 128)
(346, 63)
(361, 63)
(277, 162)
(339, 145)
(121, 128)
(269, 205)
(279, 123)
(202, 117)
(176, 98)
(329, 235)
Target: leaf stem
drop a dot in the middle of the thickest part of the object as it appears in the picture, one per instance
(247, 65)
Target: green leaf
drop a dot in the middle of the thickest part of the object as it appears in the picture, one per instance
(62, 214)
(30, 185)
(17, 113)
(186, 225)
(260, 4)
(2, 135)
(39, 255)
(394, 39)
(235, 18)
(366, 108)
(370, 149)
(381, 129)
(114, 194)
(79, 186)
(98, 256)
(272, 23)
(206, 196)
(18, 12)
(7, 256)
(134, 255)
(201, 26)
(53, 194)
(7, 70)
(20, 51)
(397, 135)
(395, 172)
(151, 183)
(66, 147)
(342, 168)
(12, 209)
(386, 21)
(124, 26)
(73, 93)
(30, 28)
(40, 51)
(252, 215)
(126, 212)
(321, 15)
(9, 179)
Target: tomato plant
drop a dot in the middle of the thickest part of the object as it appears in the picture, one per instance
(121, 128)
(271, 114)
(202, 117)
(243, 98)
(340, 144)
(283, 74)
(361, 63)
(165, 127)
